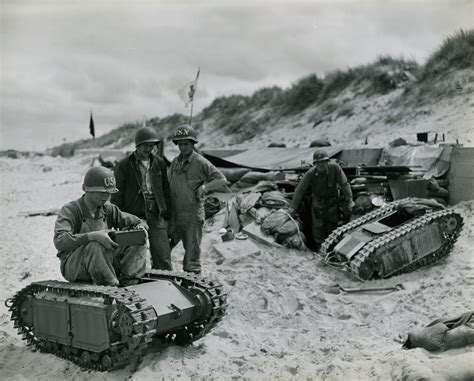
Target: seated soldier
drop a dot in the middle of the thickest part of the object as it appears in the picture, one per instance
(86, 251)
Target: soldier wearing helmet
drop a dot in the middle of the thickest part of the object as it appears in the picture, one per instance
(143, 190)
(86, 251)
(190, 176)
(327, 182)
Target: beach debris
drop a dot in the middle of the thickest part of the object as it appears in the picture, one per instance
(337, 289)
(46, 212)
(212, 205)
(24, 275)
(228, 235)
(443, 334)
(241, 236)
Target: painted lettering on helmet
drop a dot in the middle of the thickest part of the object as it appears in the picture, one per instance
(181, 132)
(109, 181)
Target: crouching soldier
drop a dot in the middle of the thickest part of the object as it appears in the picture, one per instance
(326, 180)
(86, 251)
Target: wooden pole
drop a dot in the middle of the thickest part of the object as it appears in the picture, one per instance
(191, 113)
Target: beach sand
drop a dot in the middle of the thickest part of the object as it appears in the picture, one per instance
(280, 324)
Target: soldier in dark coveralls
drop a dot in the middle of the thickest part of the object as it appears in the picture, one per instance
(327, 181)
(143, 190)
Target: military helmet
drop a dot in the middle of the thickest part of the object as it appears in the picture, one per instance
(146, 135)
(184, 132)
(320, 156)
(99, 179)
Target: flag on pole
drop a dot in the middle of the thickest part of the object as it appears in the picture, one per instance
(92, 127)
(186, 93)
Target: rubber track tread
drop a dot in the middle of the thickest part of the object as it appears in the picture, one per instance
(370, 251)
(331, 241)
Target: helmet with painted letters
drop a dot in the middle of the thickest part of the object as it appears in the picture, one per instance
(320, 156)
(99, 179)
(184, 132)
(146, 135)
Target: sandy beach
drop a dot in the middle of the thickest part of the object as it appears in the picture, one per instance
(280, 324)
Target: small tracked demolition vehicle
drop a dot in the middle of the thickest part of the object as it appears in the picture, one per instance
(399, 237)
(105, 328)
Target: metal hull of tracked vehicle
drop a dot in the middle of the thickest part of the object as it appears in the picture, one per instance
(105, 328)
(400, 237)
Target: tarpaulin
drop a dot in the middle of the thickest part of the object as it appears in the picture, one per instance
(432, 159)
(461, 175)
(362, 156)
(275, 158)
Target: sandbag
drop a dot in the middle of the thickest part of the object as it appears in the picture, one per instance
(296, 241)
(319, 143)
(363, 204)
(263, 186)
(248, 201)
(260, 214)
(274, 199)
(234, 174)
(274, 221)
(444, 334)
(254, 177)
(398, 142)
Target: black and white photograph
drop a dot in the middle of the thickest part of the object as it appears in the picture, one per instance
(237, 190)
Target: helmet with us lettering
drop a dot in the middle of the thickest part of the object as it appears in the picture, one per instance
(99, 179)
(146, 135)
(184, 132)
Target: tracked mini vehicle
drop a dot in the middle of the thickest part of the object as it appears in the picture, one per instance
(401, 236)
(105, 328)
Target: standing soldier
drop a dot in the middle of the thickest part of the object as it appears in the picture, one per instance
(86, 251)
(326, 180)
(143, 190)
(189, 172)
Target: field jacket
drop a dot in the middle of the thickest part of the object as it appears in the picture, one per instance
(325, 188)
(130, 197)
(67, 228)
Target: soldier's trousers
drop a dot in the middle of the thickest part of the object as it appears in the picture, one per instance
(93, 263)
(189, 230)
(325, 220)
(159, 242)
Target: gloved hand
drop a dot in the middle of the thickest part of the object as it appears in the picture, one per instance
(102, 236)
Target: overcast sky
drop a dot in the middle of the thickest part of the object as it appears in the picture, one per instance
(125, 59)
